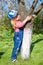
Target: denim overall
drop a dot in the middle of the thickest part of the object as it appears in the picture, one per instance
(18, 36)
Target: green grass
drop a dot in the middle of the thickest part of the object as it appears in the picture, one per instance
(36, 56)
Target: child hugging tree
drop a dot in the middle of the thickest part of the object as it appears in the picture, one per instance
(17, 25)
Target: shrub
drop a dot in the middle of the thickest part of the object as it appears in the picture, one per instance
(38, 24)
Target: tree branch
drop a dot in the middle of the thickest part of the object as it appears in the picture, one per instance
(38, 9)
(33, 6)
(36, 12)
(31, 12)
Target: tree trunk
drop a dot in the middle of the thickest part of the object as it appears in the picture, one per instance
(27, 36)
(25, 48)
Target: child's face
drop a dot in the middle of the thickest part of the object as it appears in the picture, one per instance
(18, 17)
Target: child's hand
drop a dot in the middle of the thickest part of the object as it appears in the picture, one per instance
(28, 18)
(33, 16)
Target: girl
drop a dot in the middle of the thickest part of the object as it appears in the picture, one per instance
(18, 28)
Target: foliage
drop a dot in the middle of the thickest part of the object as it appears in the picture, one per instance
(5, 25)
(38, 24)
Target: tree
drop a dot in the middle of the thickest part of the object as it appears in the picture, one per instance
(7, 4)
(27, 36)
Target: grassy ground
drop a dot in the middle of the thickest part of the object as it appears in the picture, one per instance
(36, 56)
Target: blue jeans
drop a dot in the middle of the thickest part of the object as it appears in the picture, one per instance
(18, 36)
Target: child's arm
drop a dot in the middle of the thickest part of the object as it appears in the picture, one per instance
(28, 18)
(21, 24)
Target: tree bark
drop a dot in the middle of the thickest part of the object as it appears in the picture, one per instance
(27, 36)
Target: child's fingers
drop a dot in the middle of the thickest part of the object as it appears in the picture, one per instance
(33, 16)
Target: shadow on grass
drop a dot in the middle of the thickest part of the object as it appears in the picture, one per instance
(33, 44)
(1, 53)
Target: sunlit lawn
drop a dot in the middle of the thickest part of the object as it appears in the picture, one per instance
(36, 56)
